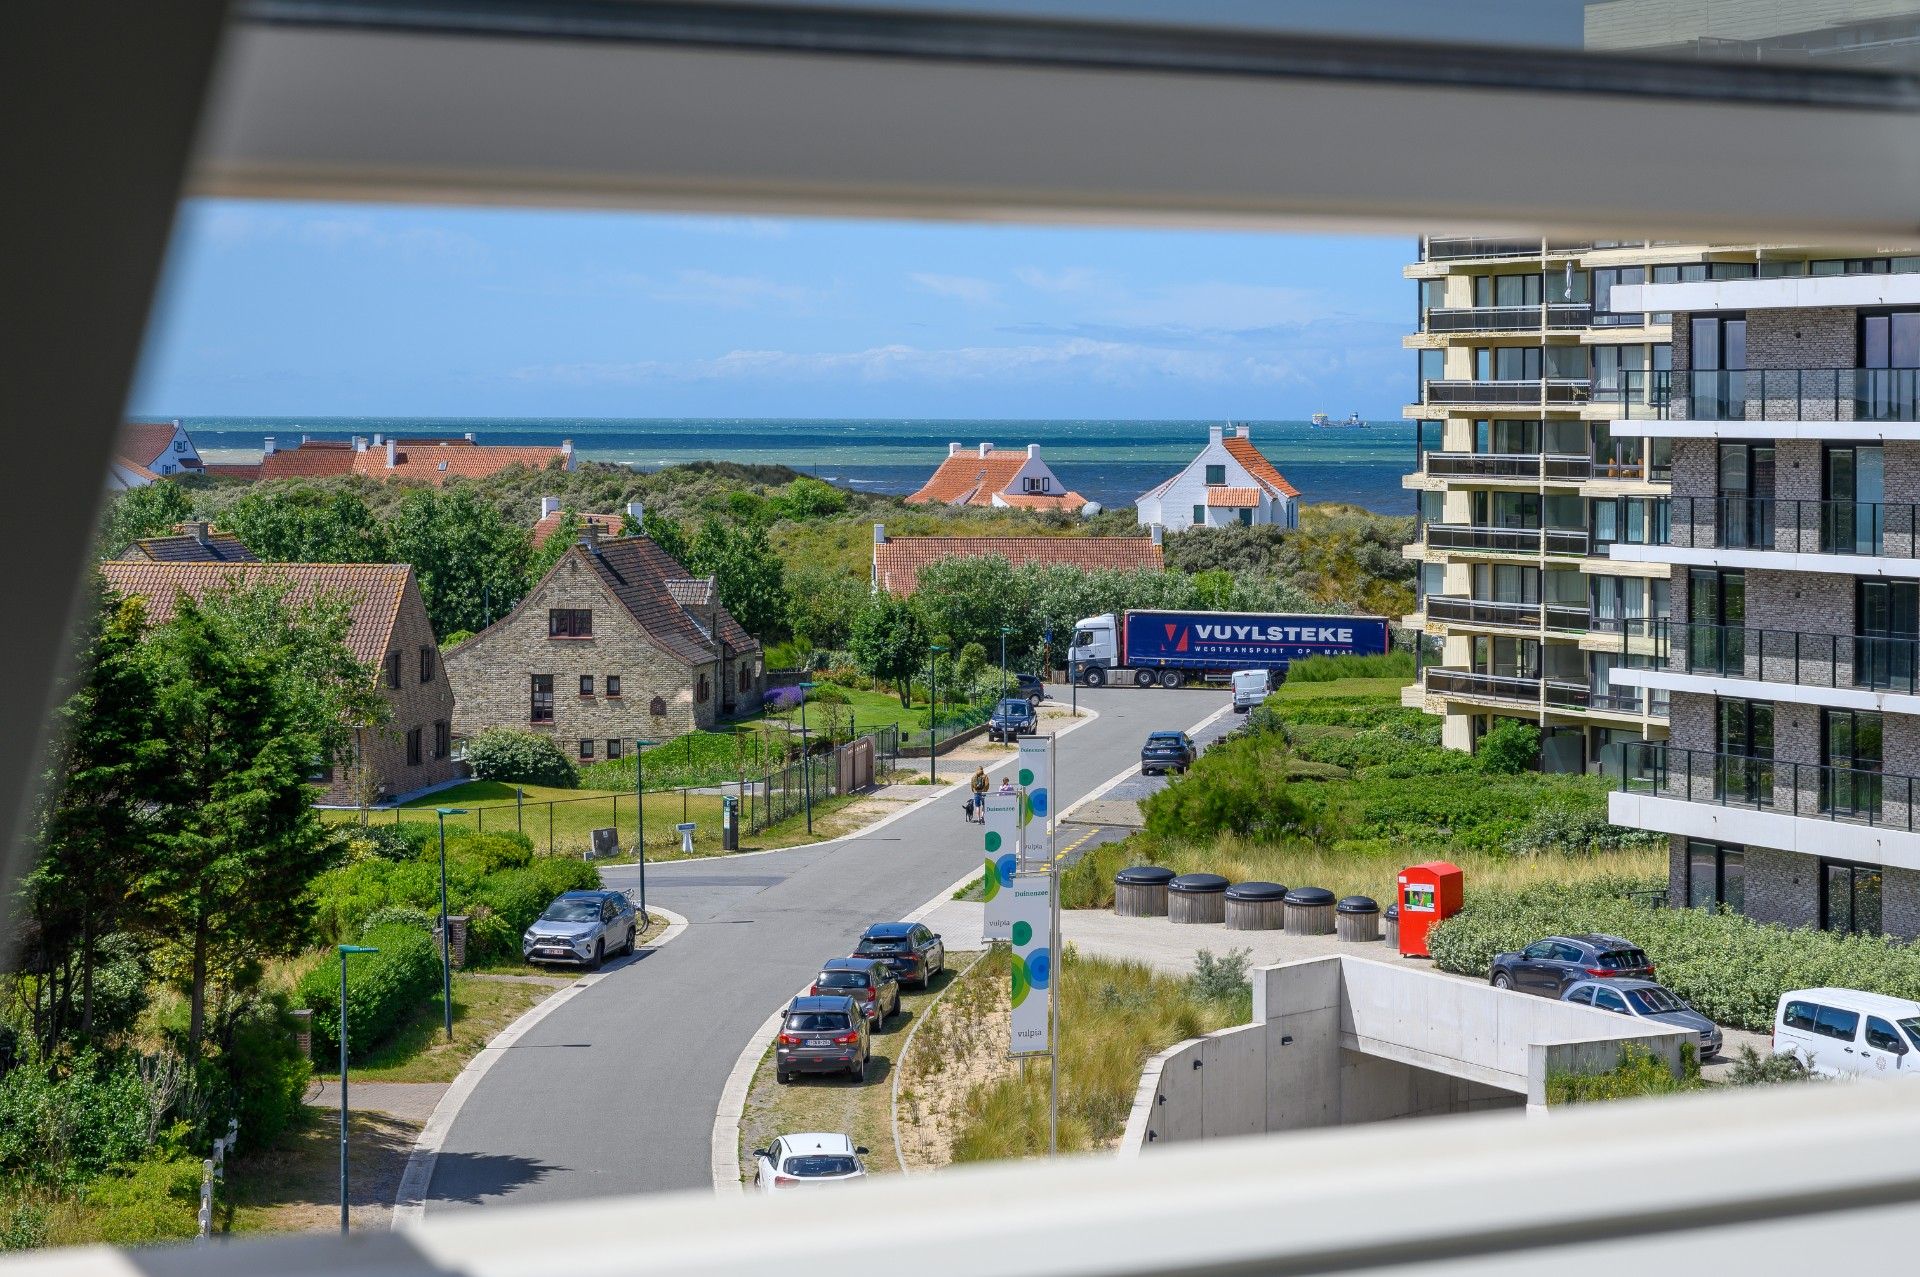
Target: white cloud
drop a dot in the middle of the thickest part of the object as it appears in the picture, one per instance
(1068, 280)
(967, 288)
(732, 292)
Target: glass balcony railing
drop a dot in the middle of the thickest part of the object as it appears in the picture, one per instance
(1440, 248)
(1551, 693)
(1876, 662)
(1441, 607)
(1866, 528)
(1533, 466)
(1856, 794)
(1766, 394)
(1499, 687)
(1550, 317)
(1456, 536)
(1547, 392)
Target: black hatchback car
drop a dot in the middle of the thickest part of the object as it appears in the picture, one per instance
(1032, 688)
(1549, 967)
(1013, 717)
(822, 1035)
(915, 953)
(1166, 752)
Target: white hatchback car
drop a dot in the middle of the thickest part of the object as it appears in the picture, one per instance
(1847, 1033)
(796, 1160)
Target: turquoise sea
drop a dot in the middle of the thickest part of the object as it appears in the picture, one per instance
(1111, 462)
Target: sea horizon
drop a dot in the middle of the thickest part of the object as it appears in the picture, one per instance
(1109, 460)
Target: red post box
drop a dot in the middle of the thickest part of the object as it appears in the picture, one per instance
(1428, 893)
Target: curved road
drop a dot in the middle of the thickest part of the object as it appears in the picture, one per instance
(615, 1091)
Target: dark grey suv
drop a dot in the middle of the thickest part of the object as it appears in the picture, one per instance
(822, 1035)
(1549, 967)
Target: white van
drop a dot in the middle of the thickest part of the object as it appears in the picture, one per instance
(1844, 1032)
(1250, 688)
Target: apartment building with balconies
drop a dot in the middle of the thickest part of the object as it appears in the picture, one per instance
(1791, 656)
(1523, 487)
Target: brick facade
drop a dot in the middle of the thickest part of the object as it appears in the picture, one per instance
(492, 673)
(413, 705)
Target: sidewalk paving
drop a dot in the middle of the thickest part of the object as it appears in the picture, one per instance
(414, 1101)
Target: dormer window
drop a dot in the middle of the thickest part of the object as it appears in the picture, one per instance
(179, 445)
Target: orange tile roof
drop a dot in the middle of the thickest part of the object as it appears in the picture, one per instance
(967, 478)
(1243, 451)
(550, 523)
(142, 442)
(306, 462)
(374, 591)
(1219, 498)
(1041, 500)
(438, 462)
(233, 469)
(897, 561)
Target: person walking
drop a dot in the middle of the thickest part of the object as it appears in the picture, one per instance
(978, 803)
(1006, 784)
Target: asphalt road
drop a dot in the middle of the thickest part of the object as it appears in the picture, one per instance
(615, 1091)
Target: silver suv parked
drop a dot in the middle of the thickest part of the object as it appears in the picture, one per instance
(583, 927)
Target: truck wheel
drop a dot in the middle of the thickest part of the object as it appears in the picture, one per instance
(1143, 678)
(1094, 677)
(1172, 678)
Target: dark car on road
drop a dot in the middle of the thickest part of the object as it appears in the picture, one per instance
(584, 927)
(1645, 1000)
(915, 953)
(822, 1035)
(1032, 688)
(1012, 717)
(1549, 967)
(868, 981)
(1166, 752)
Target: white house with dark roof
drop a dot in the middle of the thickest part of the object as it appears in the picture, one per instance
(1229, 482)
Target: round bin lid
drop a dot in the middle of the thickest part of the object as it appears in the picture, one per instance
(1198, 884)
(1144, 876)
(1309, 896)
(1257, 891)
(1393, 912)
(1357, 904)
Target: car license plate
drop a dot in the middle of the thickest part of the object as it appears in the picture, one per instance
(818, 1042)
(552, 951)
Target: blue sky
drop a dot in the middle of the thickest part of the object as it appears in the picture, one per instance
(289, 309)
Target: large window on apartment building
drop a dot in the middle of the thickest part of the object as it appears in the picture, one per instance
(1624, 603)
(1744, 513)
(1850, 898)
(1506, 583)
(1890, 352)
(1615, 367)
(1432, 366)
(1890, 339)
(541, 709)
(1716, 876)
(1604, 280)
(1627, 521)
(1507, 437)
(1743, 739)
(1506, 657)
(1887, 633)
(569, 622)
(1716, 620)
(1716, 383)
(1850, 756)
(1506, 509)
(1853, 485)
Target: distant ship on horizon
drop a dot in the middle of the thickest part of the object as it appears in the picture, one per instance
(1321, 421)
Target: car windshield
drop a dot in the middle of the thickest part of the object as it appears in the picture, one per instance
(880, 945)
(1654, 1001)
(816, 1021)
(841, 980)
(1912, 1029)
(571, 911)
(1011, 708)
(1167, 742)
(1623, 960)
(819, 1164)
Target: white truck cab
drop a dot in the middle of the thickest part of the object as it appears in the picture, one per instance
(1250, 688)
(1096, 643)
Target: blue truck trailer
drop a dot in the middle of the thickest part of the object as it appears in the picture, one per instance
(1168, 649)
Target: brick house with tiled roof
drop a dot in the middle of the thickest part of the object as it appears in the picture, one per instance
(421, 460)
(616, 641)
(195, 542)
(988, 476)
(147, 451)
(1228, 482)
(608, 525)
(897, 561)
(388, 631)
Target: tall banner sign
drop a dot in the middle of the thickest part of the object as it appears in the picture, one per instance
(1034, 775)
(1031, 899)
(1003, 861)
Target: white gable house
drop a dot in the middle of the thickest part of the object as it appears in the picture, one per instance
(1228, 483)
(149, 450)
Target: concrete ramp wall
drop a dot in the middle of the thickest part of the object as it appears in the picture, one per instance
(1338, 1040)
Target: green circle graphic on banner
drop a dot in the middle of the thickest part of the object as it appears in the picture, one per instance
(1026, 775)
(1022, 932)
(993, 840)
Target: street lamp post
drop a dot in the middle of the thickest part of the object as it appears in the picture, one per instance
(933, 709)
(446, 927)
(345, 949)
(806, 765)
(1004, 631)
(640, 820)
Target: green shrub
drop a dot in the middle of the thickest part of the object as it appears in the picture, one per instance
(1234, 787)
(1326, 669)
(398, 842)
(1731, 968)
(403, 915)
(1755, 1069)
(518, 896)
(520, 758)
(267, 1074)
(1223, 981)
(490, 937)
(65, 1122)
(153, 1200)
(383, 988)
(1511, 746)
(120, 983)
(489, 852)
(1640, 1073)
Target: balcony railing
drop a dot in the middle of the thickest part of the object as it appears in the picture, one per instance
(1442, 607)
(1568, 616)
(1858, 795)
(1769, 394)
(1439, 248)
(1878, 528)
(1878, 662)
(1536, 391)
(1507, 465)
(1456, 536)
(1551, 317)
(1499, 687)
(1550, 693)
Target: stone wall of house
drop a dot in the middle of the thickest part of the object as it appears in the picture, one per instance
(414, 704)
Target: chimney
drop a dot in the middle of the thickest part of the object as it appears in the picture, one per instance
(879, 534)
(549, 505)
(306, 439)
(266, 446)
(469, 436)
(953, 450)
(393, 450)
(377, 438)
(359, 443)
(636, 510)
(1213, 434)
(1033, 451)
(1156, 534)
(985, 448)
(1246, 431)
(590, 537)
(199, 529)
(566, 451)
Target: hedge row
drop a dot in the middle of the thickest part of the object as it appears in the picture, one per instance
(1729, 967)
(383, 988)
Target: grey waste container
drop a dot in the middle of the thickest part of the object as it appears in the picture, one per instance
(1256, 906)
(1309, 911)
(1357, 918)
(1197, 898)
(1141, 892)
